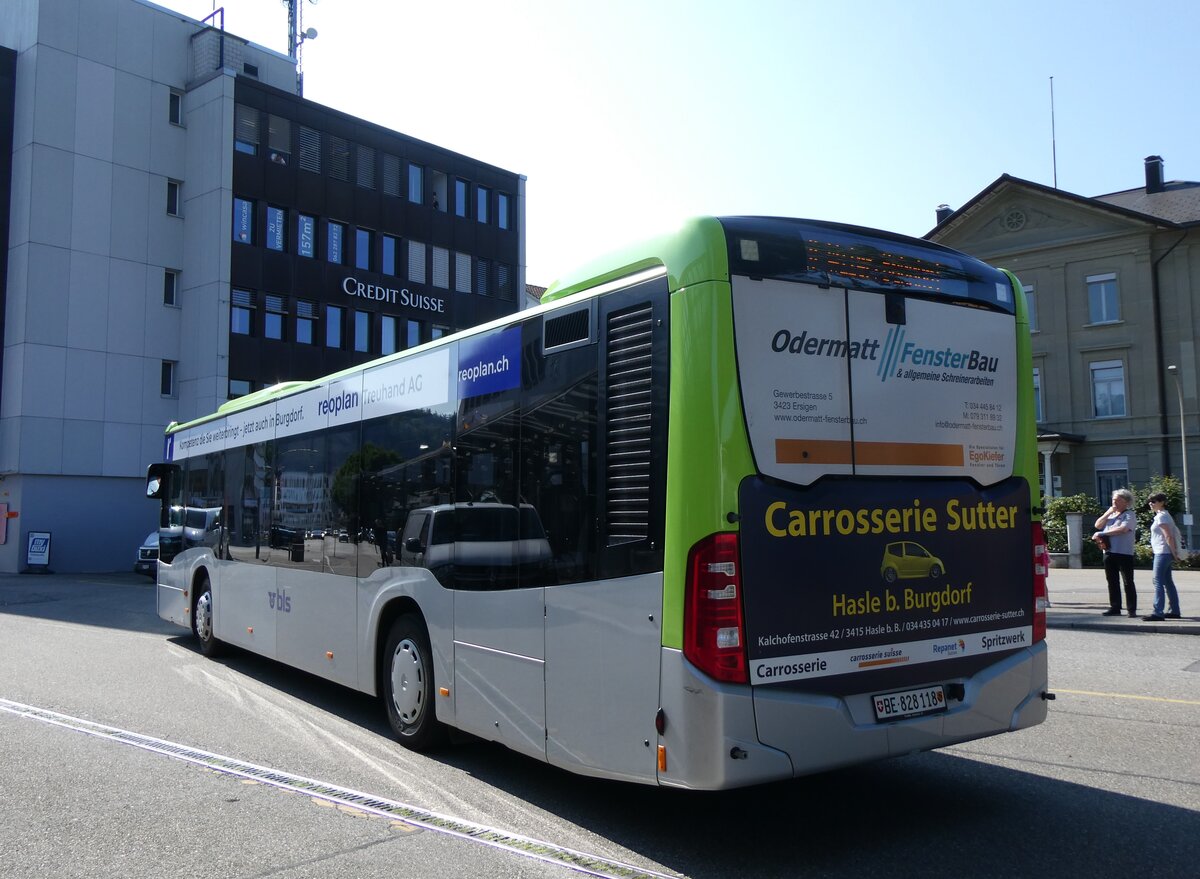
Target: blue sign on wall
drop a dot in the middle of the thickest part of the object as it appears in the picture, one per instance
(489, 363)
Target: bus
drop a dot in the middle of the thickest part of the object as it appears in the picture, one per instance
(752, 500)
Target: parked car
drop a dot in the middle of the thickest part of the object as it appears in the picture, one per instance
(147, 556)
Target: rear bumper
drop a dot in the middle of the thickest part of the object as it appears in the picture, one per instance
(720, 736)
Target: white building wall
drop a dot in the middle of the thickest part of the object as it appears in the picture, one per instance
(81, 413)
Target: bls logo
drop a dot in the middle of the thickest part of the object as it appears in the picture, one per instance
(280, 601)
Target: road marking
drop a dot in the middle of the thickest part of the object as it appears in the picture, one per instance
(1128, 696)
(347, 800)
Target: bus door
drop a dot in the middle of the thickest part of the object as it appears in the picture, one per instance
(474, 547)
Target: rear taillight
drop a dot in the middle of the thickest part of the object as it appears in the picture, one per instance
(1041, 597)
(713, 630)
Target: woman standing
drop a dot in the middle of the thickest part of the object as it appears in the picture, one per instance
(1164, 542)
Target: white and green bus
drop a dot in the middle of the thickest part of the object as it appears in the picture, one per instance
(749, 501)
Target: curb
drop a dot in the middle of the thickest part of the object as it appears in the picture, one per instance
(1079, 621)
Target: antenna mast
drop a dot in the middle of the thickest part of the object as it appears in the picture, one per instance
(1053, 138)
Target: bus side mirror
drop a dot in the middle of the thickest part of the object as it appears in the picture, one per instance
(158, 480)
(413, 544)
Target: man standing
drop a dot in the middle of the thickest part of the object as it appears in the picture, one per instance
(1118, 524)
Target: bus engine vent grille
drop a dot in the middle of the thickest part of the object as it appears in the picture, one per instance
(569, 330)
(629, 425)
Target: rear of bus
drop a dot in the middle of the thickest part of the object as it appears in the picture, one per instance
(864, 570)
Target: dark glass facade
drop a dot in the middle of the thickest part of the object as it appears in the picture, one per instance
(332, 210)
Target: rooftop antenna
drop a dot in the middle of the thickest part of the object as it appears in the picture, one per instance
(1053, 139)
(296, 38)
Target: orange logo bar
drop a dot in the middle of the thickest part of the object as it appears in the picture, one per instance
(793, 451)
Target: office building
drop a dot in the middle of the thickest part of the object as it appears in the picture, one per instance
(182, 229)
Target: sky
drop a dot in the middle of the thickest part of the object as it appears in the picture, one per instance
(629, 116)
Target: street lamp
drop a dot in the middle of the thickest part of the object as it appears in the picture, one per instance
(1187, 498)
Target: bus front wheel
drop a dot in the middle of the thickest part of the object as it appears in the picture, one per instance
(202, 618)
(408, 685)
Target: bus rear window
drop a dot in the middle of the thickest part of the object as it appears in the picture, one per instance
(829, 254)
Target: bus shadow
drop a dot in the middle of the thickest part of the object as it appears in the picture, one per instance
(932, 814)
(110, 601)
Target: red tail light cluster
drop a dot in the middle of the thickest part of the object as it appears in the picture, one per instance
(1041, 597)
(714, 632)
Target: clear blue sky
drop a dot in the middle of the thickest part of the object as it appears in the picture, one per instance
(629, 115)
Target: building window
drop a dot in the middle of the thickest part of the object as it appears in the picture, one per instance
(173, 202)
(441, 268)
(363, 241)
(438, 331)
(416, 183)
(245, 129)
(460, 198)
(504, 281)
(306, 236)
(333, 326)
(167, 380)
(1103, 302)
(416, 262)
(338, 166)
(1031, 306)
(306, 319)
(170, 287)
(412, 333)
(387, 334)
(276, 228)
(365, 167)
(1108, 389)
(388, 267)
(462, 272)
(175, 108)
(243, 221)
(1112, 472)
(274, 316)
(310, 149)
(241, 313)
(239, 387)
(502, 218)
(279, 140)
(391, 175)
(482, 194)
(333, 244)
(440, 200)
(1037, 395)
(481, 277)
(362, 331)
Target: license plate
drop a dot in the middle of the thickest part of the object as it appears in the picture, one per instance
(909, 703)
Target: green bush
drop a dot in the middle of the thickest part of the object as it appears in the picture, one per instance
(1054, 519)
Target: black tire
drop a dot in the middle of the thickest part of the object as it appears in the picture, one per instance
(407, 674)
(202, 618)
(889, 575)
(935, 571)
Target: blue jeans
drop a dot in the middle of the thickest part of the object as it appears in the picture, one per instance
(1164, 582)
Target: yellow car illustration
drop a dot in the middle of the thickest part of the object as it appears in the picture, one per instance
(905, 560)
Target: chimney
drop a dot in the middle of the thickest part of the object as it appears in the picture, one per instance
(1154, 174)
(943, 213)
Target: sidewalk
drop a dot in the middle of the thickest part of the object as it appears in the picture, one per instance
(1079, 597)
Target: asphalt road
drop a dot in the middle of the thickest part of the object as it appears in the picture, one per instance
(1109, 785)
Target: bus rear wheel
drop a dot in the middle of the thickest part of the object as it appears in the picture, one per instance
(408, 685)
(202, 618)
